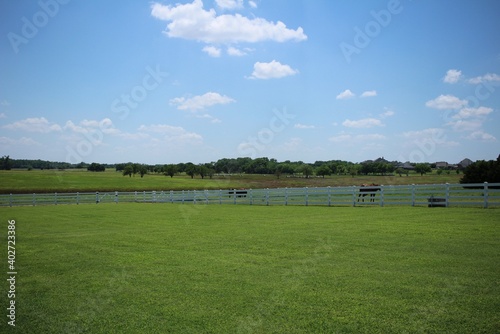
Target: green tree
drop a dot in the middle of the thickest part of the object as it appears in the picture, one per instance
(191, 170)
(323, 170)
(482, 171)
(170, 170)
(128, 170)
(5, 163)
(307, 170)
(423, 168)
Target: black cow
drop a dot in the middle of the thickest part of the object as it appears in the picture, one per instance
(238, 193)
(368, 189)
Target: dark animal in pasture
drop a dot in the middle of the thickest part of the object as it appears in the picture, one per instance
(368, 189)
(238, 193)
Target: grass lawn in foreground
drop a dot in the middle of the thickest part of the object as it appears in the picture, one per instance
(167, 268)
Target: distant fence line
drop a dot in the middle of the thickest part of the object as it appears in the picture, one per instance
(446, 195)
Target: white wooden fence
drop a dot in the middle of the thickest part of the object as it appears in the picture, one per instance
(446, 195)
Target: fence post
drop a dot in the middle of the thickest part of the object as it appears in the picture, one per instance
(286, 196)
(34, 199)
(267, 196)
(96, 197)
(234, 196)
(220, 196)
(135, 196)
(251, 196)
(447, 193)
(77, 198)
(485, 195)
(153, 195)
(353, 195)
(55, 198)
(381, 195)
(194, 196)
(116, 197)
(10, 200)
(413, 195)
(329, 196)
(307, 195)
(171, 196)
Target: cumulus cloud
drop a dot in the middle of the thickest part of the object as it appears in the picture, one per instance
(369, 93)
(232, 51)
(473, 112)
(172, 133)
(212, 51)
(347, 94)
(229, 4)
(272, 70)
(452, 76)
(490, 77)
(348, 138)
(481, 136)
(252, 4)
(446, 102)
(303, 126)
(200, 102)
(190, 21)
(37, 124)
(362, 123)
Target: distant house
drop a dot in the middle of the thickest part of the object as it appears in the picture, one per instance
(465, 163)
(442, 164)
(407, 165)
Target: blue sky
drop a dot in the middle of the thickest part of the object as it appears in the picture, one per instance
(179, 81)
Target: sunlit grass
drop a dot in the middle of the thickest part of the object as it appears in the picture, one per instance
(254, 269)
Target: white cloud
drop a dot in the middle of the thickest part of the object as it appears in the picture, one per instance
(347, 138)
(303, 126)
(252, 4)
(485, 78)
(272, 70)
(172, 133)
(369, 93)
(362, 123)
(452, 76)
(473, 112)
(4, 103)
(212, 51)
(470, 125)
(446, 102)
(232, 51)
(229, 4)
(191, 21)
(200, 102)
(347, 94)
(430, 132)
(481, 135)
(41, 125)
(387, 113)
(2, 115)
(23, 141)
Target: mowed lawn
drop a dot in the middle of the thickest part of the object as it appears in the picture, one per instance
(168, 268)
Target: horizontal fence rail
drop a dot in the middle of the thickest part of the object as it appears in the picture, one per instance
(435, 195)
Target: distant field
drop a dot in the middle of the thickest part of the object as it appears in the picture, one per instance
(151, 268)
(22, 181)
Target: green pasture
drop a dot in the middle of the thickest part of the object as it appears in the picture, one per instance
(36, 181)
(171, 268)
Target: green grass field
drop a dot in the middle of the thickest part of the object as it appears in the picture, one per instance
(36, 181)
(167, 268)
